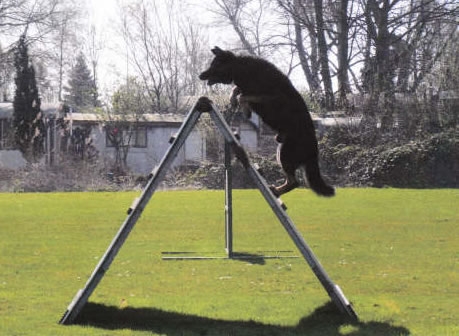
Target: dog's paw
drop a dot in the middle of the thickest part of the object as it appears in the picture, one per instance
(274, 191)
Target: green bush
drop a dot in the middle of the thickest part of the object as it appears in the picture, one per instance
(211, 175)
(428, 162)
(431, 162)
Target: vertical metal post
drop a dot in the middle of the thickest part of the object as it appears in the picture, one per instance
(228, 201)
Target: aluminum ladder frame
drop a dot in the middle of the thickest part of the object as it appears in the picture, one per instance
(204, 105)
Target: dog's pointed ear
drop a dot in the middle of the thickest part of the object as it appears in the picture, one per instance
(217, 51)
(221, 53)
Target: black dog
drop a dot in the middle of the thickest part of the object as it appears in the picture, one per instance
(270, 94)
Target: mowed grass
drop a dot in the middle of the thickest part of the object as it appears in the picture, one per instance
(394, 253)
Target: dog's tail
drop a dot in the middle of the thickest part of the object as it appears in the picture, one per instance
(316, 181)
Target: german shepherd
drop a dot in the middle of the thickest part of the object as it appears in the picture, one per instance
(269, 93)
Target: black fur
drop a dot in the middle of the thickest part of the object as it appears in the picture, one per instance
(270, 94)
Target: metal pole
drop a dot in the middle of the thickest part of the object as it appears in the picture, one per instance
(228, 201)
(134, 213)
(333, 290)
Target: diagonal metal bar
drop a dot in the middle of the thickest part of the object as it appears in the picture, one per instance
(332, 289)
(134, 213)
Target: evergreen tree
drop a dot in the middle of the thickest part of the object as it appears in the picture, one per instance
(82, 91)
(28, 124)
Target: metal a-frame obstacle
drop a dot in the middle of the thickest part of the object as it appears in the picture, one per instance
(204, 105)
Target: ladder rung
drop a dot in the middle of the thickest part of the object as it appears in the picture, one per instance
(133, 205)
(172, 138)
(282, 204)
(236, 134)
(153, 173)
(258, 169)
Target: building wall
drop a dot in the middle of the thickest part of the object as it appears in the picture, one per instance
(12, 159)
(143, 160)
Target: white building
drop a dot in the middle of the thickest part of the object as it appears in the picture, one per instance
(149, 137)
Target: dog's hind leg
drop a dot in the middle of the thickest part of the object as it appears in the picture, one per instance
(289, 168)
(290, 183)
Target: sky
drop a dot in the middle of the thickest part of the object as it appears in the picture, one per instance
(102, 14)
(101, 11)
(112, 66)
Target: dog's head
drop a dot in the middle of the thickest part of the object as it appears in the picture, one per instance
(221, 68)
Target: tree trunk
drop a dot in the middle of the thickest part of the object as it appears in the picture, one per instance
(384, 71)
(343, 50)
(323, 56)
(312, 80)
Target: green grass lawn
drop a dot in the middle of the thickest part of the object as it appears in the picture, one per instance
(394, 253)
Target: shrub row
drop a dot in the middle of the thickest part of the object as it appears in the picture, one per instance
(429, 162)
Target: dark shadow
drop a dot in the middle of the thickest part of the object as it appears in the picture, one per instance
(252, 258)
(325, 320)
(255, 259)
(196, 256)
(260, 258)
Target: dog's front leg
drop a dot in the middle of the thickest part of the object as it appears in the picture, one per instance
(237, 100)
(234, 96)
(244, 106)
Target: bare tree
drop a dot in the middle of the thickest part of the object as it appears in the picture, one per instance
(158, 39)
(323, 55)
(305, 40)
(33, 16)
(404, 41)
(94, 45)
(36, 18)
(303, 19)
(233, 11)
(252, 21)
(426, 34)
(123, 121)
(195, 56)
(6, 74)
(51, 27)
(64, 42)
(343, 37)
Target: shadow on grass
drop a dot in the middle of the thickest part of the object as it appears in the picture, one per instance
(260, 258)
(325, 320)
(251, 258)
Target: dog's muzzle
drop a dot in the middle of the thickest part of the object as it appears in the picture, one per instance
(205, 76)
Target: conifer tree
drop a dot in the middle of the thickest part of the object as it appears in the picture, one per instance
(28, 124)
(82, 91)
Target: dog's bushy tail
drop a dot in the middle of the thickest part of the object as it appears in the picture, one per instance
(316, 181)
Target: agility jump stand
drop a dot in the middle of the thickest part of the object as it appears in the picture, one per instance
(204, 105)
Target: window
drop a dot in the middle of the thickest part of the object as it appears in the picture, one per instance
(5, 134)
(139, 137)
(1, 134)
(121, 136)
(113, 136)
